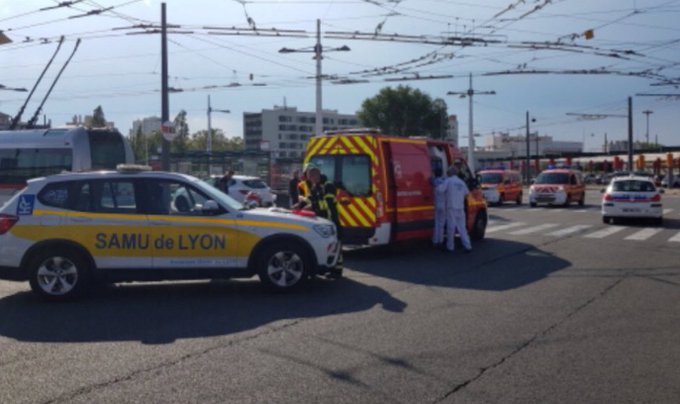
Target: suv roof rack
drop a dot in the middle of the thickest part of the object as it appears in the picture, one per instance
(132, 168)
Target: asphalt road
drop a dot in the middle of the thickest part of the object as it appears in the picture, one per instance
(571, 311)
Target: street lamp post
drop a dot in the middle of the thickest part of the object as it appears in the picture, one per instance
(470, 93)
(208, 147)
(318, 56)
(528, 158)
(647, 113)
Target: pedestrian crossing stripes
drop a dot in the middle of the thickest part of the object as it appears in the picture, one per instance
(607, 231)
(594, 209)
(586, 231)
(534, 229)
(643, 234)
(492, 229)
(570, 230)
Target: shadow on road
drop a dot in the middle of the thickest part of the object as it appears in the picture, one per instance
(162, 313)
(493, 265)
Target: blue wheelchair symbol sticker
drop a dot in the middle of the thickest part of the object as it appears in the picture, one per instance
(25, 206)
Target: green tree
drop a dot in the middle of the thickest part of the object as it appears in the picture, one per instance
(220, 141)
(98, 118)
(180, 143)
(405, 111)
(154, 143)
(138, 145)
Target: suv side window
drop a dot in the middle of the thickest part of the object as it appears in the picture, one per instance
(110, 196)
(168, 197)
(56, 195)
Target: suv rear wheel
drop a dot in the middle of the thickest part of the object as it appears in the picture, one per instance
(58, 275)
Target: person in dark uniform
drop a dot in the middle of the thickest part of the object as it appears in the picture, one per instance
(322, 200)
(293, 188)
(224, 181)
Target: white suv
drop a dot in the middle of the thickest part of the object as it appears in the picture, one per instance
(63, 232)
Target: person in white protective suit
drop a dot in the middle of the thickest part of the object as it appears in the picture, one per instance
(455, 192)
(439, 208)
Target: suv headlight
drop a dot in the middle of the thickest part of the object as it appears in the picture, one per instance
(324, 230)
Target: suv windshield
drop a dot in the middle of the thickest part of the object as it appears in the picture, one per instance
(552, 178)
(491, 178)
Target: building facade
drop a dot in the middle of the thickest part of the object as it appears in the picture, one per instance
(148, 125)
(452, 130)
(511, 146)
(284, 131)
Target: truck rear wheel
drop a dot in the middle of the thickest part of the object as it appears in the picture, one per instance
(479, 226)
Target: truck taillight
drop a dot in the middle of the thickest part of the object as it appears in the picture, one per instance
(379, 208)
(656, 198)
(6, 222)
(608, 197)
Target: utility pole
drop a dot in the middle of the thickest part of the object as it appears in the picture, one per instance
(647, 112)
(208, 147)
(470, 93)
(165, 105)
(318, 56)
(630, 134)
(528, 162)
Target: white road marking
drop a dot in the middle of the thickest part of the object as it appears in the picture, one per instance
(643, 234)
(675, 239)
(608, 231)
(503, 227)
(534, 229)
(570, 230)
(581, 210)
(667, 211)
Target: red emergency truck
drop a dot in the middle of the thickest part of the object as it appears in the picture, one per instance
(385, 191)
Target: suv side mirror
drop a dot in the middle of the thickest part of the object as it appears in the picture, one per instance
(210, 207)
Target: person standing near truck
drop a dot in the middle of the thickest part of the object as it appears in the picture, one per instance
(321, 199)
(439, 208)
(293, 187)
(455, 191)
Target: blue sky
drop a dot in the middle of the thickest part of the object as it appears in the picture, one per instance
(121, 72)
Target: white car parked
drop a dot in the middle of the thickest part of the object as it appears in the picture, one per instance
(632, 197)
(241, 185)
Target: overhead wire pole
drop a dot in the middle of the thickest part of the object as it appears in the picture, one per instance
(470, 93)
(318, 56)
(630, 134)
(208, 147)
(165, 105)
(647, 112)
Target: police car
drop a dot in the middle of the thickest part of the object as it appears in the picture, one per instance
(632, 197)
(64, 232)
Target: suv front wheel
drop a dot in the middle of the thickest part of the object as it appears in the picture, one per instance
(283, 266)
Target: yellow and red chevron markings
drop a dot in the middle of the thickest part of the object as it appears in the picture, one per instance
(360, 211)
